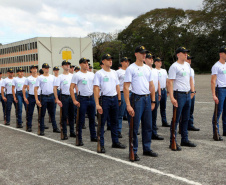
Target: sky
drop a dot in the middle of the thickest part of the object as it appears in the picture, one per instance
(23, 19)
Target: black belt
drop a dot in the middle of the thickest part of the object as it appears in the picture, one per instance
(182, 92)
(87, 96)
(32, 95)
(47, 95)
(122, 91)
(163, 89)
(18, 91)
(146, 95)
(65, 95)
(222, 87)
(109, 96)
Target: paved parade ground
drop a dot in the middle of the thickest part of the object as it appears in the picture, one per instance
(26, 158)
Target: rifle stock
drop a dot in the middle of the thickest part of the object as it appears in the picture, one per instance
(77, 122)
(173, 140)
(99, 126)
(131, 152)
(216, 135)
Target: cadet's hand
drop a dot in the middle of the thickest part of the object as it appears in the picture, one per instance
(26, 101)
(77, 104)
(119, 103)
(130, 110)
(215, 99)
(99, 109)
(167, 94)
(15, 100)
(192, 95)
(5, 99)
(152, 106)
(174, 102)
(39, 103)
(159, 97)
(59, 103)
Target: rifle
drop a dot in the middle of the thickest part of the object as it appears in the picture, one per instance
(39, 114)
(173, 141)
(26, 116)
(77, 122)
(216, 135)
(99, 126)
(5, 110)
(61, 127)
(17, 124)
(131, 152)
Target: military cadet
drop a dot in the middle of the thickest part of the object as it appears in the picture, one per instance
(83, 79)
(45, 81)
(163, 77)
(1, 99)
(149, 62)
(106, 82)
(191, 126)
(72, 69)
(30, 101)
(90, 68)
(17, 85)
(121, 76)
(56, 74)
(218, 83)
(7, 85)
(139, 76)
(63, 82)
(181, 90)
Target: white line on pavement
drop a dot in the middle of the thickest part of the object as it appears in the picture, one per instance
(109, 157)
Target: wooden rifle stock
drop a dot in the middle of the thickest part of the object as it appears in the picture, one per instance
(173, 140)
(77, 122)
(99, 126)
(39, 115)
(131, 152)
(61, 127)
(216, 135)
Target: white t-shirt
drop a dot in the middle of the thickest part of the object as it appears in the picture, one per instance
(54, 81)
(121, 76)
(1, 81)
(162, 77)
(7, 83)
(193, 75)
(219, 69)
(46, 84)
(63, 82)
(155, 78)
(106, 81)
(84, 81)
(18, 83)
(139, 77)
(30, 81)
(181, 74)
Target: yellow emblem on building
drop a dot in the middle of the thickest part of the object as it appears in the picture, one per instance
(66, 55)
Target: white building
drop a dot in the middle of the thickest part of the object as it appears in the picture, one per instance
(39, 50)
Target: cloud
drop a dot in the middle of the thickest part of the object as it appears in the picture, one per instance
(25, 19)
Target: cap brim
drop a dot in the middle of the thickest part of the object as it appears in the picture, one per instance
(144, 51)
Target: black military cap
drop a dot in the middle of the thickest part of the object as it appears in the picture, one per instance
(190, 57)
(222, 49)
(19, 70)
(90, 67)
(34, 66)
(182, 49)
(107, 56)
(77, 68)
(82, 60)
(65, 62)
(45, 65)
(41, 71)
(149, 55)
(125, 59)
(72, 66)
(157, 59)
(10, 70)
(56, 68)
(141, 49)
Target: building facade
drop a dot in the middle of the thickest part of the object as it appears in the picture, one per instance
(39, 50)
